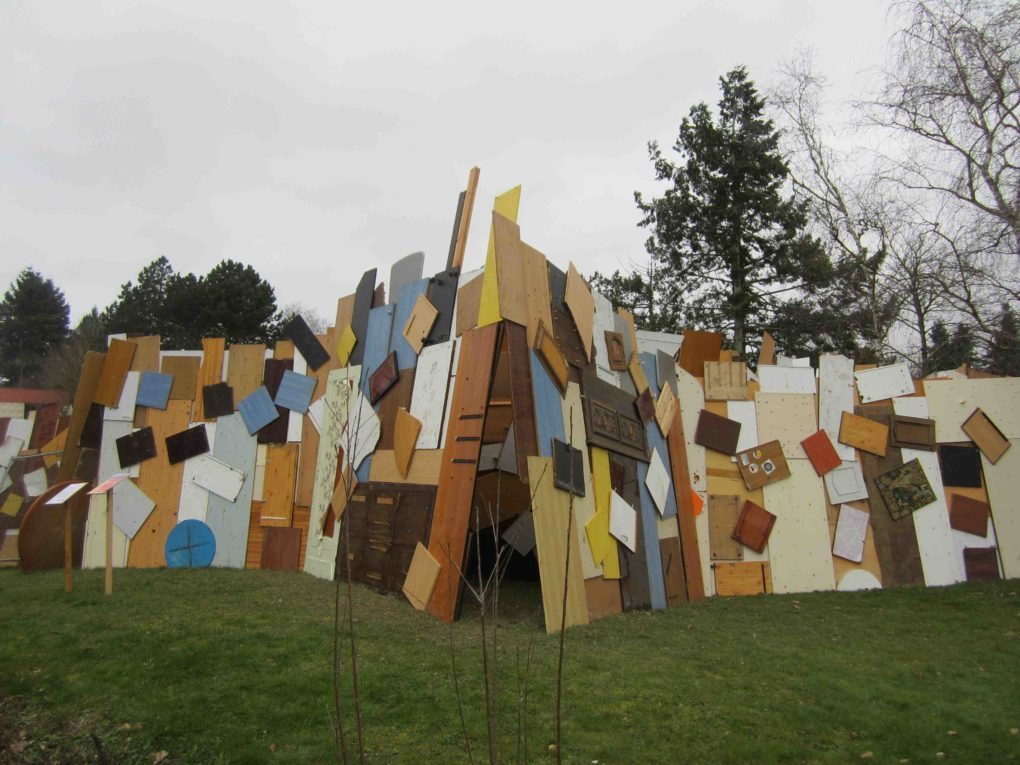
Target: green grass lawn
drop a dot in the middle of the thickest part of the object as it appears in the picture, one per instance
(234, 666)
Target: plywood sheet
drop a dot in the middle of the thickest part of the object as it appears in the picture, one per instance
(717, 432)
(244, 368)
(788, 418)
(229, 520)
(428, 400)
(1000, 479)
(114, 372)
(697, 348)
(767, 350)
(209, 373)
(864, 434)
(469, 295)
(884, 382)
(417, 326)
(723, 511)
(184, 370)
(125, 409)
(281, 549)
(969, 515)
(799, 551)
(160, 481)
(581, 305)
(733, 579)
(726, 381)
(951, 402)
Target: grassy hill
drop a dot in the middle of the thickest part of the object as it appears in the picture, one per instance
(234, 666)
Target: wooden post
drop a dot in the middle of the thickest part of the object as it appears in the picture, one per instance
(67, 547)
(465, 218)
(109, 543)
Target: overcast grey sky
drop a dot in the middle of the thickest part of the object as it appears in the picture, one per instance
(315, 140)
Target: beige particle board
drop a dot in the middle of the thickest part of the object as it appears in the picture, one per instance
(951, 402)
(788, 418)
(1001, 482)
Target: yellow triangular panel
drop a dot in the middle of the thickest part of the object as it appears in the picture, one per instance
(345, 345)
(507, 204)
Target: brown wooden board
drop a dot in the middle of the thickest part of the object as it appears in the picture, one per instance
(91, 434)
(981, 564)
(91, 368)
(723, 511)
(209, 373)
(276, 431)
(717, 432)
(306, 462)
(146, 357)
(821, 452)
(568, 468)
(634, 583)
(383, 378)
(686, 512)
(469, 297)
(968, 515)
(616, 351)
(673, 571)
(184, 370)
(697, 348)
(666, 408)
(895, 541)
(397, 397)
(763, 464)
(551, 357)
(405, 437)
(254, 543)
(603, 596)
(754, 525)
(986, 435)
(725, 381)
(284, 349)
(278, 487)
(41, 535)
(281, 549)
(424, 469)
(115, 368)
(749, 578)
(45, 428)
(767, 350)
(522, 397)
(646, 405)
(912, 433)
(864, 434)
(611, 419)
(418, 325)
(581, 305)
(244, 369)
(217, 400)
(161, 482)
(460, 464)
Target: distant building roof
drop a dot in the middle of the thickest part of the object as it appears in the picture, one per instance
(32, 396)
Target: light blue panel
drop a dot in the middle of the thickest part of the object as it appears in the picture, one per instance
(364, 469)
(406, 357)
(295, 391)
(650, 539)
(229, 520)
(377, 342)
(154, 390)
(651, 372)
(258, 410)
(548, 407)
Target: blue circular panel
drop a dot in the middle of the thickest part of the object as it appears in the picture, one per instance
(191, 544)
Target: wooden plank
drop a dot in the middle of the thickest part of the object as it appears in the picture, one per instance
(799, 551)
(665, 409)
(984, 433)
(146, 358)
(733, 579)
(1000, 479)
(536, 291)
(254, 547)
(469, 296)
(91, 369)
(464, 210)
(245, 363)
(603, 596)
(673, 571)
(416, 327)
(421, 578)
(767, 350)
(835, 396)
(306, 462)
(581, 305)
(723, 511)
(506, 205)
(407, 428)
(725, 381)
(185, 373)
(460, 458)
(864, 434)
(697, 348)
(522, 397)
(551, 356)
(280, 481)
(229, 520)
(114, 372)
(209, 373)
(689, 472)
(284, 349)
(281, 549)
(510, 267)
(951, 402)
(558, 560)
(788, 418)
(161, 482)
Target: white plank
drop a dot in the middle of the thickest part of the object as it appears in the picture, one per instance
(651, 342)
(691, 396)
(953, 401)
(858, 579)
(66, 493)
(1001, 481)
(428, 399)
(851, 529)
(799, 552)
(744, 413)
(315, 412)
(835, 396)
(218, 477)
(20, 429)
(623, 521)
(229, 520)
(294, 427)
(449, 392)
(657, 481)
(788, 418)
(363, 430)
(94, 551)
(125, 409)
(884, 382)
(845, 483)
(939, 560)
(131, 507)
(261, 457)
(775, 379)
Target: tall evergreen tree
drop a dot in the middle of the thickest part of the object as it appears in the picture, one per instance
(728, 245)
(33, 320)
(1004, 349)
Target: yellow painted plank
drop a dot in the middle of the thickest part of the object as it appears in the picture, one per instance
(603, 544)
(405, 437)
(507, 204)
(345, 345)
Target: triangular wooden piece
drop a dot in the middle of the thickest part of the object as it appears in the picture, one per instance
(405, 436)
(420, 322)
(345, 346)
(581, 305)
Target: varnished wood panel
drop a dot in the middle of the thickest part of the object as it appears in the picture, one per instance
(864, 434)
(91, 368)
(161, 482)
(244, 369)
(254, 548)
(460, 462)
(686, 516)
(185, 373)
(278, 491)
(581, 305)
(468, 297)
(396, 398)
(697, 348)
(742, 578)
(209, 373)
(114, 372)
(603, 596)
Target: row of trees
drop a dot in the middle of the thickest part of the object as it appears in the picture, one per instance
(38, 347)
(909, 251)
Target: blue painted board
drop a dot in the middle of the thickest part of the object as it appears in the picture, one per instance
(650, 368)
(406, 357)
(190, 544)
(364, 470)
(650, 539)
(258, 410)
(154, 390)
(655, 439)
(228, 520)
(548, 407)
(377, 342)
(295, 391)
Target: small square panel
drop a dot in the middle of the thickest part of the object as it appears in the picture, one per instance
(258, 410)
(961, 466)
(821, 452)
(969, 515)
(754, 526)
(763, 464)
(136, 447)
(905, 489)
(187, 443)
(981, 564)
(717, 433)
(295, 392)
(568, 468)
(218, 400)
(154, 390)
